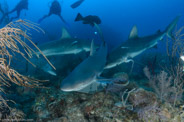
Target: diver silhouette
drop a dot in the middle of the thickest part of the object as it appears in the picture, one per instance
(23, 4)
(54, 9)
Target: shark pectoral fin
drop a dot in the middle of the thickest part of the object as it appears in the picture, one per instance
(129, 60)
(52, 73)
(92, 51)
(73, 43)
(124, 47)
(65, 34)
(92, 88)
(133, 33)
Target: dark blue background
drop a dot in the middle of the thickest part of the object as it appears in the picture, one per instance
(118, 17)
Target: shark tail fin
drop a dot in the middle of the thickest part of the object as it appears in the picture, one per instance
(79, 17)
(92, 48)
(171, 27)
(100, 32)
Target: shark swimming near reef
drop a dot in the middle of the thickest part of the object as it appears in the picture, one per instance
(88, 71)
(65, 45)
(135, 45)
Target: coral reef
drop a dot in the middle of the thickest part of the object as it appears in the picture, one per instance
(54, 105)
(58, 106)
(13, 39)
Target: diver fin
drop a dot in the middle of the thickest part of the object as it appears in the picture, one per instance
(65, 34)
(79, 17)
(133, 33)
(92, 48)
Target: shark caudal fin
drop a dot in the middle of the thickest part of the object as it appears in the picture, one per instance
(79, 17)
(171, 27)
(100, 32)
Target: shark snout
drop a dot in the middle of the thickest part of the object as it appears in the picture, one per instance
(66, 87)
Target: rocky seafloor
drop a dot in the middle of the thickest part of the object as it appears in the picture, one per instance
(136, 105)
(115, 103)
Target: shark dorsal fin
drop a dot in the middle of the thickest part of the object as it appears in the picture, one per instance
(92, 48)
(133, 33)
(65, 34)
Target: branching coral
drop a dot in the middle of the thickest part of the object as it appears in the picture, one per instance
(13, 39)
(161, 84)
(175, 49)
(11, 42)
(169, 84)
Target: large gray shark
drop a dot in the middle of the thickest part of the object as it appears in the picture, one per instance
(135, 45)
(65, 45)
(88, 71)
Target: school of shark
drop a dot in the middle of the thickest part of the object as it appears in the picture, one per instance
(84, 75)
(124, 53)
(91, 61)
(90, 69)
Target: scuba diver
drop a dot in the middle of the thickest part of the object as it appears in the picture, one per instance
(23, 4)
(54, 9)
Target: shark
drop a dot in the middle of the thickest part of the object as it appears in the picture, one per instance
(135, 45)
(65, 45)
(88, 71)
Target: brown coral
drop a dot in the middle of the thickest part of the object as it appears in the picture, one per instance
(13, 39)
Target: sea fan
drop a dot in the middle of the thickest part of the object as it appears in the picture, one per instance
(13, 39)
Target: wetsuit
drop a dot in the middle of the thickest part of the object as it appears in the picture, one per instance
(54, 9)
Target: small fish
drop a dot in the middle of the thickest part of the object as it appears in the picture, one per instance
(90, 19)
(77, 4)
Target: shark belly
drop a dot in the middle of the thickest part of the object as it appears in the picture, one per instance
(129, 55)
(79, 85)
(114, 64)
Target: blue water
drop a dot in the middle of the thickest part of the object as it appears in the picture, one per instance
(118, 17)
